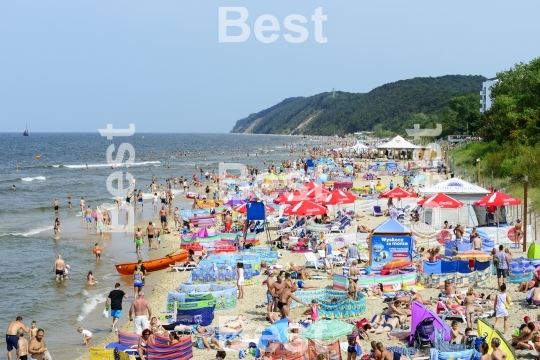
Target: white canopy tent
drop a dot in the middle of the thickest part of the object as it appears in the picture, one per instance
(398, 143)
(357, 147)
(461, 190)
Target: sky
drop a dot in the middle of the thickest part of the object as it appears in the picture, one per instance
(76, 66)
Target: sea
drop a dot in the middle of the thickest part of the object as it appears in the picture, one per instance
(68, 166)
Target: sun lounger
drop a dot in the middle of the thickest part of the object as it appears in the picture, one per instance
(312, 261)
(377, 211)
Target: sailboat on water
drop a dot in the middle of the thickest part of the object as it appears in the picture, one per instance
(25, 133)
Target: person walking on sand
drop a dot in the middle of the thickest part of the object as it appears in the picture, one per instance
(12, 335)
(59, 268)
(500, 306)
(140, 308)
(163, 215)
(503, 263)
(240, 281)
(284, 298)
(150, 234)
(518, 232)
(115, 299)
(138, 239)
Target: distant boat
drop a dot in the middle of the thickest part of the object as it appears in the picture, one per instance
(25, 133)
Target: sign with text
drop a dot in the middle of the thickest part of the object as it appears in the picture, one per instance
(390, 251)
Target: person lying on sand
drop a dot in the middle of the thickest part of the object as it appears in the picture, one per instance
(238, 324)
(362, 229)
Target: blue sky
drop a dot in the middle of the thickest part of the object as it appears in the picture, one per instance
(77, 65)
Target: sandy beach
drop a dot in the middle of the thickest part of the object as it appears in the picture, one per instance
(166, 281)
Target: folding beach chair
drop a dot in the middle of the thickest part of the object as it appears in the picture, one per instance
(312, 261)
(447, 313)
(377, 211)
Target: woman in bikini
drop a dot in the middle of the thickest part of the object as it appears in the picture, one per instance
(90, 279)
(469, 307)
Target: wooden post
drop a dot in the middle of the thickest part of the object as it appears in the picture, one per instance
(525, 184)
(478, 171)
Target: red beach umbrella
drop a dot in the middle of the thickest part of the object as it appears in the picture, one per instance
(243, 208)
(295, 197)
(497, 199)
(441, 201)
(397, 264)
(317, 193)
(311, 185)
(338, 197)
(280, 199)
(305, 208)
(398, 193)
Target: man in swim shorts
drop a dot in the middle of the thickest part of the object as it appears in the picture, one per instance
(150, 233)
(163, 215)
(12, 339)
(59, 268)
(115, 299)
(88, 217)
(142, 311)
(56, 204)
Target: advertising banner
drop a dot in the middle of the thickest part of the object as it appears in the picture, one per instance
(390, 251)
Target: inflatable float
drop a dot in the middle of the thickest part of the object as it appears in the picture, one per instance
(192, 195)
(333, 304)
(225, 295)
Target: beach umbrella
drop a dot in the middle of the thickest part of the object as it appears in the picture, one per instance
(281, 198)
(338, 197)
(317, 193)
(444, 236)
(423, 230)
(295, 197)
(497, 199)
(472, 254)
(397, 264)
(327, 330)
(441, 201)
(234, 202)
(305, 208)
(311, 185)
(397, 193)
(242, 208)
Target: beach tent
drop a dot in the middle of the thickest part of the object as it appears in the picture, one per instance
(420, 312)
(534, 251)
(463, 191)
(277, 332)
(398, 143)
(486, 331)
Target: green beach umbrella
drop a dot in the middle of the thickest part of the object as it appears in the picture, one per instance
(327, 330)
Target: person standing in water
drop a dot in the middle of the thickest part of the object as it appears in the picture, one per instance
(12, 338)
(56, 205)
(57, 227)
(138, 239)
(150, 233)
(59, 268)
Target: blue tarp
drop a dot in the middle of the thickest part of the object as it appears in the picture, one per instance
(449, 246)
(459, 266)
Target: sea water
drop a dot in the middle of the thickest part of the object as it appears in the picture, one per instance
(28, 249)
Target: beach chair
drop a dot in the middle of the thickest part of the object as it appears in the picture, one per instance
(312, 261)
(377, 211)
(447, 313)
(127, 343)
(181, 267)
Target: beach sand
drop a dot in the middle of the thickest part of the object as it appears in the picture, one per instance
(167, 280)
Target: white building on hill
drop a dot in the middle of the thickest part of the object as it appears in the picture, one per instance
(485, 101)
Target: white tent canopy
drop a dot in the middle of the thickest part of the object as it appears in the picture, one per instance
(398, 143)
(454, 186)
(358, 146)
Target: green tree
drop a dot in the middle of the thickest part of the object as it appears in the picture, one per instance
(515, 112)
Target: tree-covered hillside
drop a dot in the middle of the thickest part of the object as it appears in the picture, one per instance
(391, 106)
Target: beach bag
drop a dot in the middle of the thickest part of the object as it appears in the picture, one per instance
(471, 342)
(105, 313)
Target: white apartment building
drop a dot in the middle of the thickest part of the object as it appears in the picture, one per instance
(485, 101)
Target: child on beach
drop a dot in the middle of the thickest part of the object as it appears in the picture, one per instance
(90, 279)
(87, 335)
(33, 330)
(454, 332)
(314, 308)
(97, 251)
